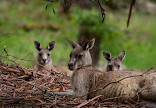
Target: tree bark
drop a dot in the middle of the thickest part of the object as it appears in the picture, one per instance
(85, 4)
(66, 5)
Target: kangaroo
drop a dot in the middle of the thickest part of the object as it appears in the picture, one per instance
(114, 63)
(45, 60)
(89, 82)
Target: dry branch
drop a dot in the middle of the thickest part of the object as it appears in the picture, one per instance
(130, 11)
(102, 11)
(85, 103)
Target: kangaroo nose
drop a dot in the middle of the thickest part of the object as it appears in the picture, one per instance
(44, 60)
(71, 66)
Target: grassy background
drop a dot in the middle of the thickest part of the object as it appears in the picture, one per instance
(138, 40)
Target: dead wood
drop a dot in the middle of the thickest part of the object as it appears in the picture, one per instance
(85, 103)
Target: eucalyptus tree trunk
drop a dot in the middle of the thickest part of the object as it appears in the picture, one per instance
(66, 4)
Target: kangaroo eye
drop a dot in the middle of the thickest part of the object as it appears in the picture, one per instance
(48, 54)
(40, 54)
(80, 56)
(110, 66)
(118, 66)
(70, 55)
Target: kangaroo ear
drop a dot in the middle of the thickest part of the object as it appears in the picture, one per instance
(37, 45)
(50, 45)
(107, 56)
(122, 55)
(72, 44)
(89, 45)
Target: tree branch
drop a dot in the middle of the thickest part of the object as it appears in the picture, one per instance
(130, 12)
(102, 11)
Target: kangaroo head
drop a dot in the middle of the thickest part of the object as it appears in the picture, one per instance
(114, 63)
(44, 54)
(80, 55)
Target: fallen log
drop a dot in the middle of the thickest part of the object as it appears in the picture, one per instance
(30, 26)
(69, 93)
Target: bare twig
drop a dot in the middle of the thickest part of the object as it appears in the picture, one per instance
(102, 11)
(85, 103)
(19, 98)
(9, 69)
(5, 50)
(10, 35)
(50, 2)
(130, 11)
(23, 59)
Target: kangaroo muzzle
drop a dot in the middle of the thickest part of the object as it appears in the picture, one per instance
(71, 66)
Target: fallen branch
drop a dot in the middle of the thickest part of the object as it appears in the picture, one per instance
(19, 98)
(30, 26)
(85, 103)
(71, 93)
(130, 12)
(10, 69)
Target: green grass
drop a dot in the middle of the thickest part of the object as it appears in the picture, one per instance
(138, 40)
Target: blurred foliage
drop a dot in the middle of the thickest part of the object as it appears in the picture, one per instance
(138, 40)
(90, 20)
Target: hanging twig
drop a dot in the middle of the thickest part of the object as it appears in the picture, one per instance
(102, 11)
(130, 12)
(50, 2)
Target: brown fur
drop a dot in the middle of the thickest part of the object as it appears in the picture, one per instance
(86, 78)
